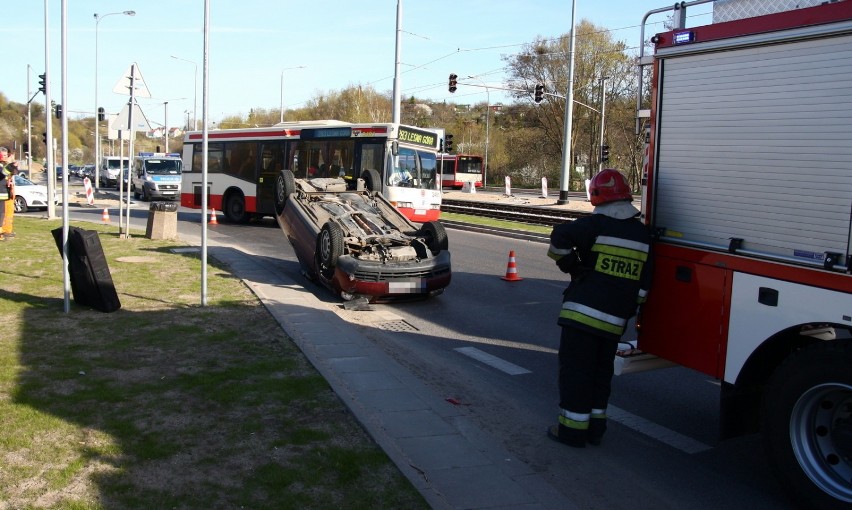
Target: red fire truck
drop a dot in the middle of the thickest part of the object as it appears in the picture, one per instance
(747, 186)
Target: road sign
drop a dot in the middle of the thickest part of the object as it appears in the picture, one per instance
(123, 84)
(140, 123)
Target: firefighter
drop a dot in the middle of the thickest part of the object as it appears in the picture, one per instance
(606, 254)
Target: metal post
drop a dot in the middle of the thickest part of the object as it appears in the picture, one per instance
(97, 123)
(282, 89)
(397, 98)
(487, 125)
(567, 157)
(29, 127)
(48, 121)
(194, 92)
(603, 120)
(166, 125)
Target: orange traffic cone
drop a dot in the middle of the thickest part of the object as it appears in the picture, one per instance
(512, 269)
(105, 216)
(213, 217)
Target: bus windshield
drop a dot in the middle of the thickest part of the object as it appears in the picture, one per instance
(413, 169)
(163, 166)
(469, 164)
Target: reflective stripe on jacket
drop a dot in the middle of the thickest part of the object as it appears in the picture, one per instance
(610, 273)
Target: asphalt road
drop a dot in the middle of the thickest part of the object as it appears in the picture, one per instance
(490, 346)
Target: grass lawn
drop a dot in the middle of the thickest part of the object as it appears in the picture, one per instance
(164, 403)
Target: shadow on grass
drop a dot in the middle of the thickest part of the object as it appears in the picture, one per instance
(167, 404)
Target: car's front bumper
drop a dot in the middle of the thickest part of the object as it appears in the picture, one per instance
(381, 281)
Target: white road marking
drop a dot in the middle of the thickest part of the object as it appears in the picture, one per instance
(493, 361)
(662, 434)
(658, 432)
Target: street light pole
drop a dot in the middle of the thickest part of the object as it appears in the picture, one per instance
(487, 123)
(194, 92)
(98, 19)
(282, 88)
(603, 119)
(166, 126)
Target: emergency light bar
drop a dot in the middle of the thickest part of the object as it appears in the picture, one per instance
(684, 37)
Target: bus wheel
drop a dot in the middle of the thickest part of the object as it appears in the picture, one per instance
(435, 235)
(807, 425)
(235, 208)
(329, 248)
(285, 185)
(372, 180)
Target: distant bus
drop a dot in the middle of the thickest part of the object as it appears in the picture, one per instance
(243, 165)
(457, 169)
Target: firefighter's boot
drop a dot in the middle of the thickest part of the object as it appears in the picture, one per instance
(567, 435)
(597, 428)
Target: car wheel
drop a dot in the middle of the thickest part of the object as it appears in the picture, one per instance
(145, 196)
(285, 185)
(807, 424)
(329, 248)
(235, 209)
(435, 236)
(20, 204)
(372, 180)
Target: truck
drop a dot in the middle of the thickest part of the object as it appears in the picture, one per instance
(156, 175)
(111, 168)
(747, 190)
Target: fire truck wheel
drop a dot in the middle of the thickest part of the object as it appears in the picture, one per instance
(807, 425)
(284, 186)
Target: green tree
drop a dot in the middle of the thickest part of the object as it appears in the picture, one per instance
(546, 61)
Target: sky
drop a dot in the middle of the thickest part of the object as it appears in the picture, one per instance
(259, 51)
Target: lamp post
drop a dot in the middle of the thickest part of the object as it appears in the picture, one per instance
(98, 18)
(166, 122)
(282, 88)
(603, 118)
(194, 93)
(487, 123)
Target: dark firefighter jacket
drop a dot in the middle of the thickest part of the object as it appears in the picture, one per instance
(608, 262)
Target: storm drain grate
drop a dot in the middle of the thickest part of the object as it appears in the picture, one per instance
(399, 325)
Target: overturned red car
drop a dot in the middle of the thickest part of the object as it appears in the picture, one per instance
(357, 244)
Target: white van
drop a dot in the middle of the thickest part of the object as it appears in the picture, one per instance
(110, 170)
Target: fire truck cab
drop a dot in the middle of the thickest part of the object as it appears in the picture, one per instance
(747, 188)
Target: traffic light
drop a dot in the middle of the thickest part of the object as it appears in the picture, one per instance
(453, 82)
(604, 153)
(58, 111)
(26, 147)
(42, 83)
(101, 113)
(44, 138)
(539, 93)
(448, 142)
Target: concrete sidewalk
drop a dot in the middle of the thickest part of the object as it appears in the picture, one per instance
(447, 457)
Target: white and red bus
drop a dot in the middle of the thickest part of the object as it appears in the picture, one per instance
(243, 165)
(457, 169)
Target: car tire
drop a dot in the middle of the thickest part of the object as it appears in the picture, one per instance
(807, 424)
(20, 204)
(329, 248)
(372, 180)
(285, 185)
(435, 236)
(235, 208)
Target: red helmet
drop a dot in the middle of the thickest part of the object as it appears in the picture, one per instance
(609, 185)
